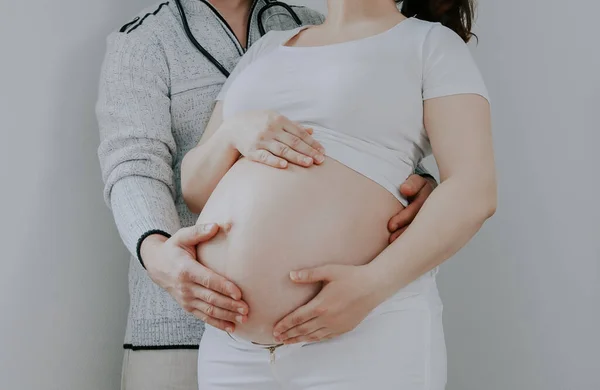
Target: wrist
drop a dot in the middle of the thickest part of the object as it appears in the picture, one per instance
(381, 278)
(148, 245)
(430, 179)
(374, 280)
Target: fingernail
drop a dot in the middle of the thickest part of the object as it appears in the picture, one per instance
(230, 288)
(320, 158)
(294, 275)
(308, 160)
(207, 227)
(241, 310)
(229, 329)
(283, 164)
(239, 319)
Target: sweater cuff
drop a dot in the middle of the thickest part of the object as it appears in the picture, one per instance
(140, 205)
(138, 247)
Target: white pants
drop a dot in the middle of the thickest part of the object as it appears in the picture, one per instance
(399, 346)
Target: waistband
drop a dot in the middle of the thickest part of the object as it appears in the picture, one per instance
(424, 287)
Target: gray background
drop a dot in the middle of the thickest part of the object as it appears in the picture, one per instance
(521, 300)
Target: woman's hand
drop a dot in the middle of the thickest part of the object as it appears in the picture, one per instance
(348, 296)
(272, 139)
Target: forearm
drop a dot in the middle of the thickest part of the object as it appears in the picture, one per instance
(134, 202)
(451, 216)
(204, 166)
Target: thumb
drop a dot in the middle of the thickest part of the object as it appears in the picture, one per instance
(313, 275)
(194, 235)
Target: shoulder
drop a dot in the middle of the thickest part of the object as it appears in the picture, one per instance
(432, 34)
(146, 20)
(282, 18)
(432, 39)
(308, 15)
(141, 39)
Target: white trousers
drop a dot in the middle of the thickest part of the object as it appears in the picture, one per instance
(399, 346)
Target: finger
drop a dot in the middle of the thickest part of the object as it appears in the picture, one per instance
(218, 300)
(301, 330)
(397, 234)
(199, 274)
(298, 317)
(412, 185)
(297, 144)
(406, 216)
(313, 275)
(194, 235)
(265, 157)
(220, 324)
(218, 313)
(318, 335)
(280, 149)
(302, 133)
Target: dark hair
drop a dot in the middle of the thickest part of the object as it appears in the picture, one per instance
(457, 15)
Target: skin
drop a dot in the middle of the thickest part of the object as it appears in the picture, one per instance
(173, 264)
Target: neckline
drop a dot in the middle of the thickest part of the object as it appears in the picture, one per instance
(298, 30)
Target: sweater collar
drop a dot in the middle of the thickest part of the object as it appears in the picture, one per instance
(204, 7)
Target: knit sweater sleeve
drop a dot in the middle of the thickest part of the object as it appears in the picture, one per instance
(136, 142)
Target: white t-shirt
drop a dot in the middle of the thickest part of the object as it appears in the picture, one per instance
(363, 98)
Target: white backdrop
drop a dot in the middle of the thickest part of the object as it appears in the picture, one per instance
(522, 301)
(63, 296)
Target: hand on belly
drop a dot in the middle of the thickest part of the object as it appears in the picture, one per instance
(285, 220)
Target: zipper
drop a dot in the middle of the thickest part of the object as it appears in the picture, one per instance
(252, 7)
(231, 34)
(272, 354)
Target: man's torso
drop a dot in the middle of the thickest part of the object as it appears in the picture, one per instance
(155, 319)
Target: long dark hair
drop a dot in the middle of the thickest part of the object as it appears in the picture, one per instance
(457, 15)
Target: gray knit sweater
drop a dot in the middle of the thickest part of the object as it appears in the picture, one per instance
(156, 96)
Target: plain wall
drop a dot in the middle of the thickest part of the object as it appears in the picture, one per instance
(63, 278)
(522, 300)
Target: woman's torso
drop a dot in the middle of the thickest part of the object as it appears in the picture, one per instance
(284, 220)
(363, 99)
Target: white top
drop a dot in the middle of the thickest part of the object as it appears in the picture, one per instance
(363, 98)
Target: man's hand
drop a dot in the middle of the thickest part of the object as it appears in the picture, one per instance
(173, 265)
(416, 189)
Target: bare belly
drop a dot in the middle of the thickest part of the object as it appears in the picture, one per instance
(284, 220)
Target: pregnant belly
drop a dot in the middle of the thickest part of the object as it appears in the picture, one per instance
(284, 220)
